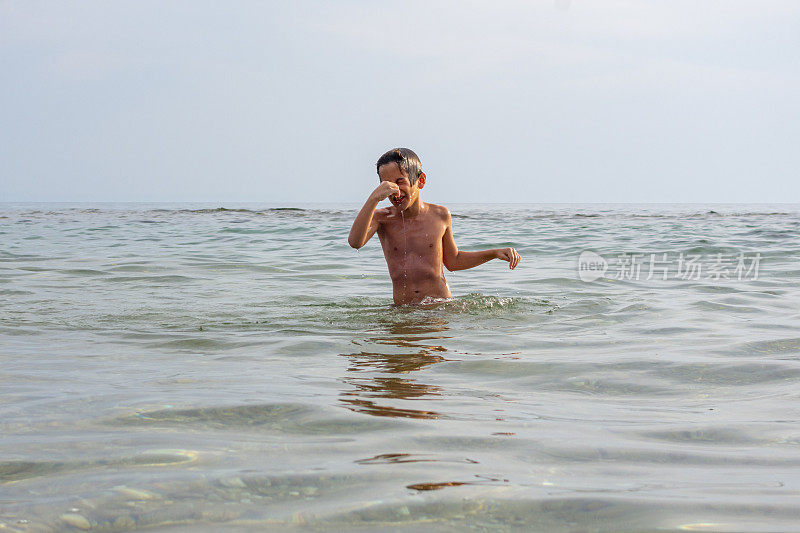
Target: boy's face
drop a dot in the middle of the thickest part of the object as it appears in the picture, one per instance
(408, 193)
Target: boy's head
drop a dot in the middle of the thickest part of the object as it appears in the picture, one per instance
(405, 158)
(402, 166)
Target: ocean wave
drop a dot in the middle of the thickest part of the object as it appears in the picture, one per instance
(280, 418)
(236, 210)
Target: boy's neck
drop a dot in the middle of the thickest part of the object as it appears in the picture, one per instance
(414, 209)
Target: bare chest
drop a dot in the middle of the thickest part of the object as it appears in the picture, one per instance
(419, 237)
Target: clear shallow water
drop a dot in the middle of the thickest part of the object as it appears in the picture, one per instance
(181, 367)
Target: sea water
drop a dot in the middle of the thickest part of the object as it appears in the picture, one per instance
(239, 367)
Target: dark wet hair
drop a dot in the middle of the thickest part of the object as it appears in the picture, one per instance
(405, 158)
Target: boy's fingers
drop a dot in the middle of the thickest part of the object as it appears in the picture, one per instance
(512, 256)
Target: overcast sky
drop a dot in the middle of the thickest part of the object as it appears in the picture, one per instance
(504, 101)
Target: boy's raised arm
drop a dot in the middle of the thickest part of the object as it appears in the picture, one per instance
(454, 259)
(365, 225)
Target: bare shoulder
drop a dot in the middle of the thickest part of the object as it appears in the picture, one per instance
(382, 214)
(440, 211)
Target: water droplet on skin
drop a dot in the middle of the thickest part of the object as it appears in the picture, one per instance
(405, 253)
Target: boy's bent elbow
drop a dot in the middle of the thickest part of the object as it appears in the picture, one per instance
(354, 244)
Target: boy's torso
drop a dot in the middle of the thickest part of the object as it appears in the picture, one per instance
(412, 247)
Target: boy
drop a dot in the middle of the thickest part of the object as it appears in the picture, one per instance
(417, 237)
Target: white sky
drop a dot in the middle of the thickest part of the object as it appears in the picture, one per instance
(506, 101)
